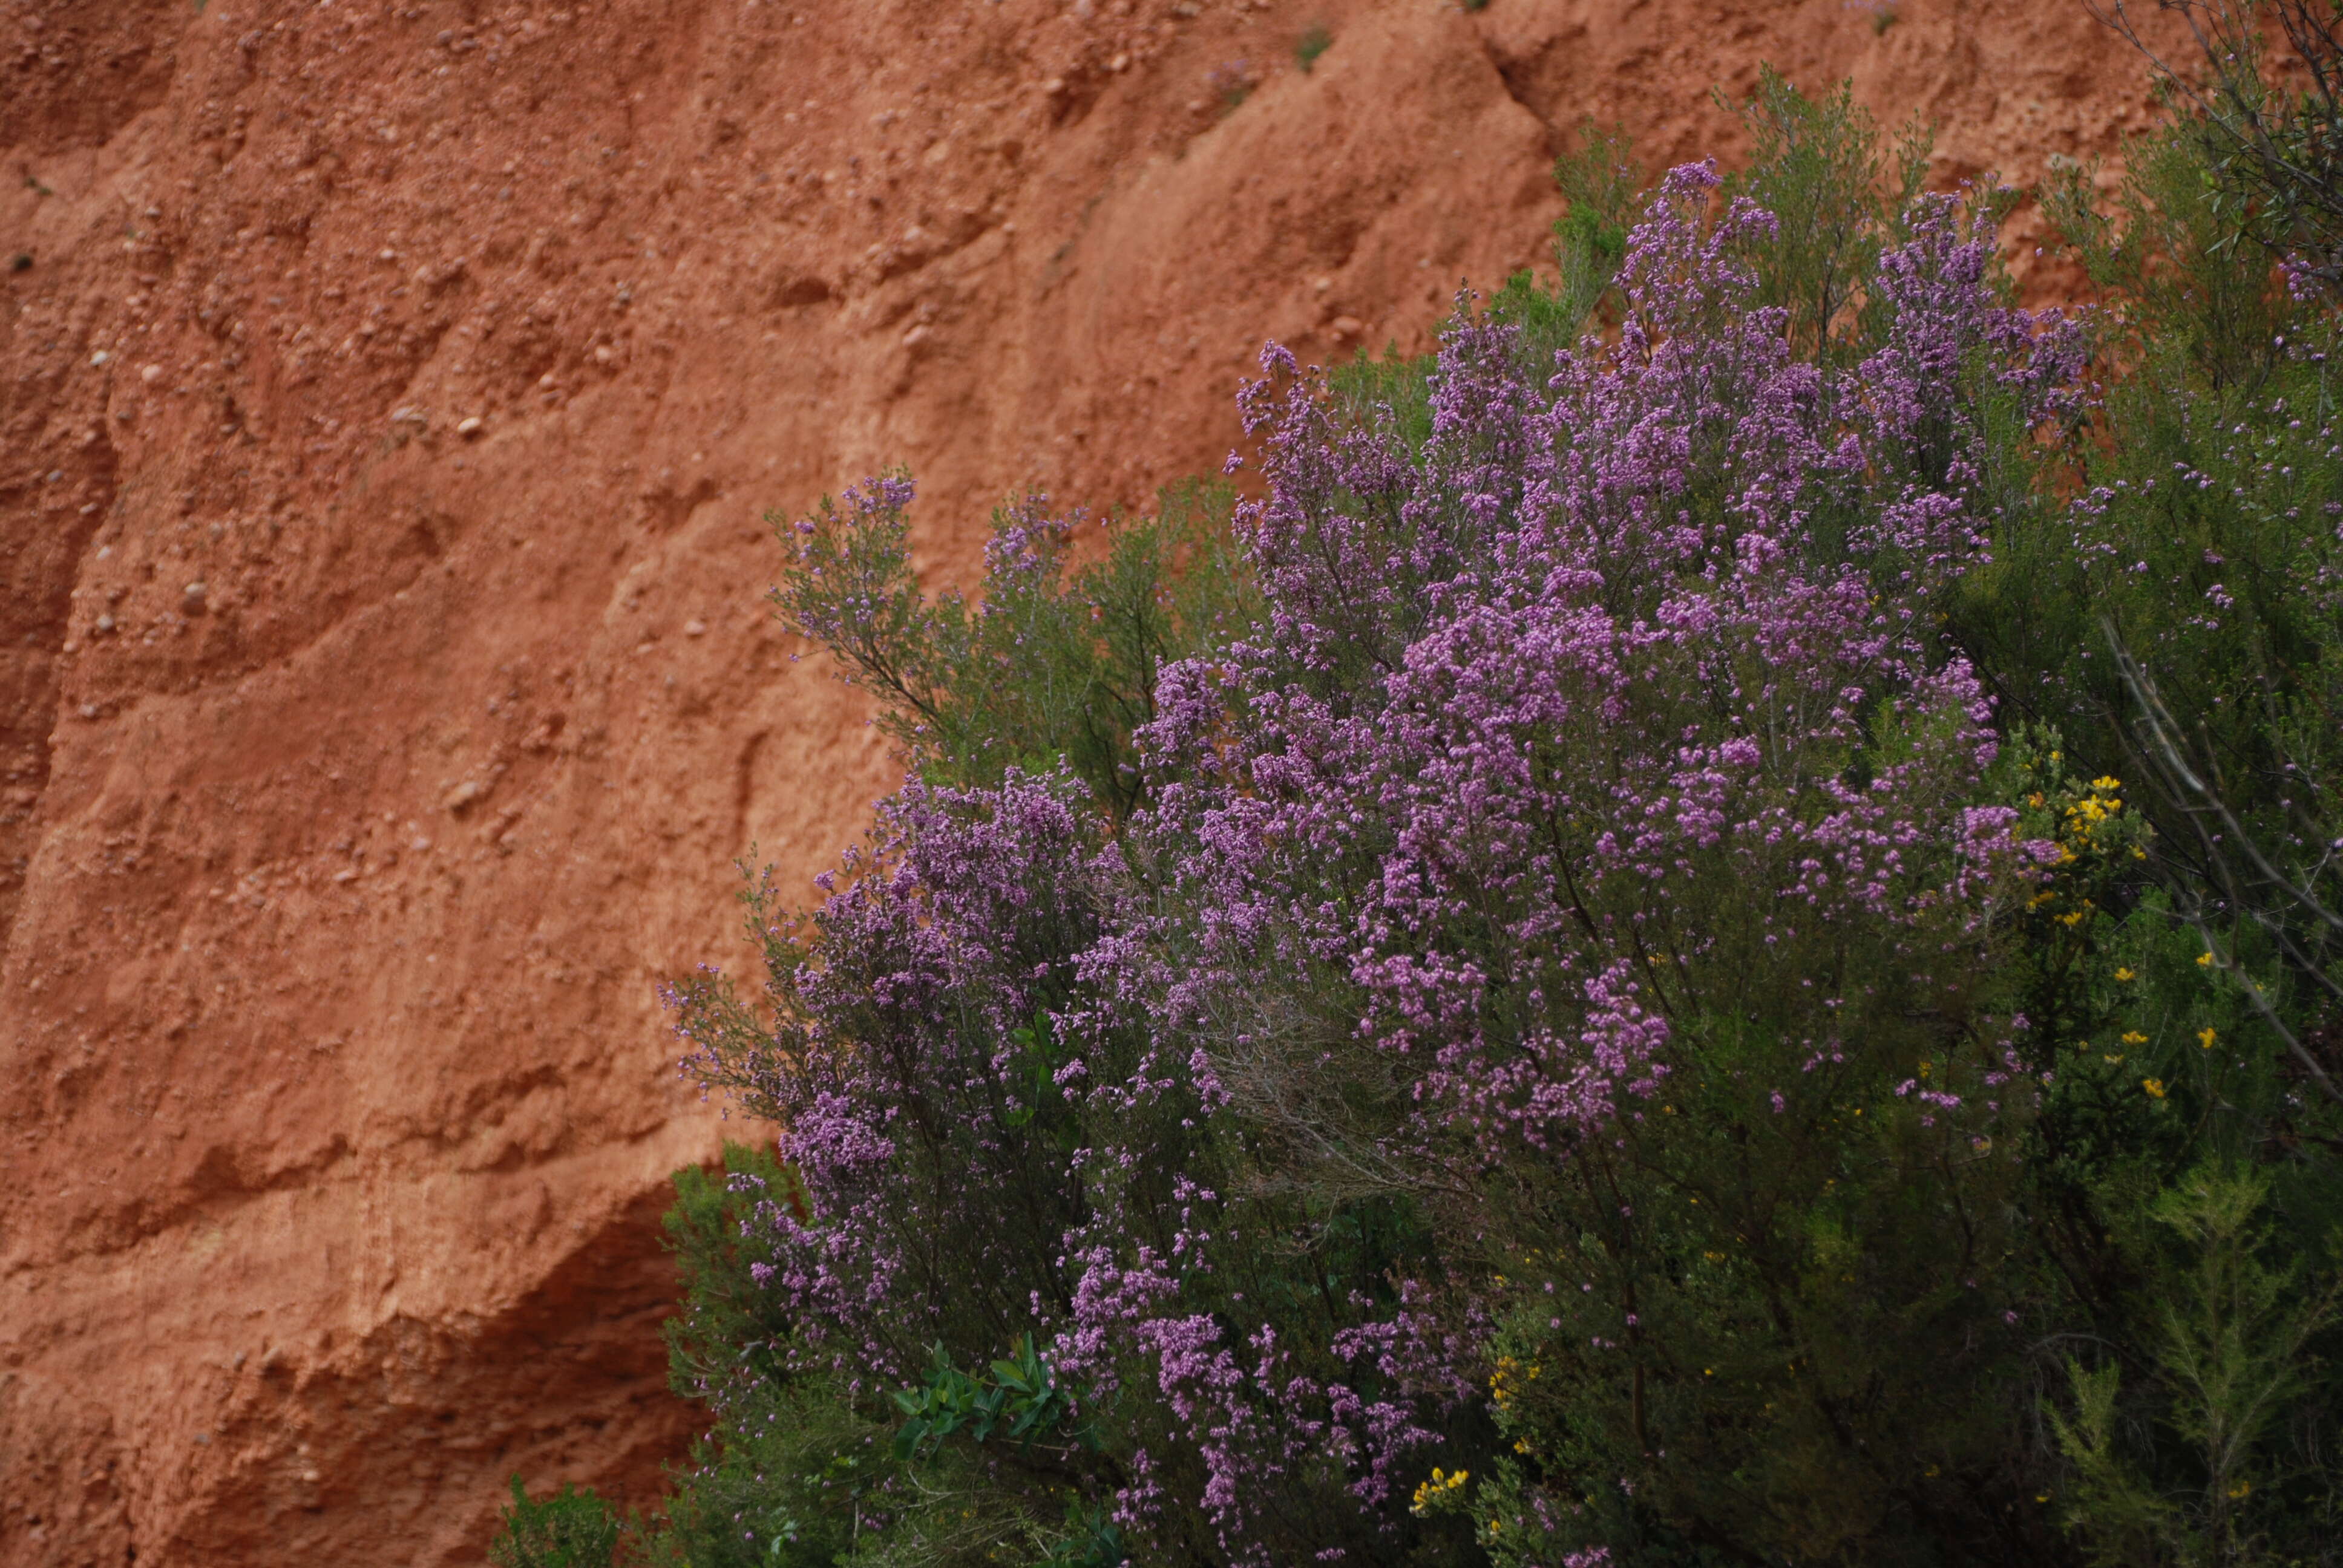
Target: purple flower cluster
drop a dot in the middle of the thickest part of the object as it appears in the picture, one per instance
(916, 1072)
(1616, 705)
(1535, 708)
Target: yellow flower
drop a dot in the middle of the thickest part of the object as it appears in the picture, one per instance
(1439, 1486)
(2204, 1037)
(2076, 919)
(2110, 785)
(2133, 1037)
(1521, 1445)
(2111, 1061)
(2125, 974)
(2154, 1086)
(2203, 959)
(2240, 1490)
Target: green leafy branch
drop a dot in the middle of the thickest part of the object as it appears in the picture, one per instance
(1022, 1402)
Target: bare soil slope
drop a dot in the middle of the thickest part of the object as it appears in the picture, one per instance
(390, 391)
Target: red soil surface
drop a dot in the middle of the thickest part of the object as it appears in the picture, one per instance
(391, 394)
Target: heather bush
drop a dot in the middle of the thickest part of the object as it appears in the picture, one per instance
(1605, 787)
(1701, 933)
(1057, 663)
(1482, 887)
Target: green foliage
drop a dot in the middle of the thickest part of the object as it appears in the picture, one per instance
(2187, 309)
(794, 1460)
(2212, 479)
(2229, 1356)
(809, 1470)
(729, 1327)
(571, 1529)
(1397, 387)
(1231, 83)
(2183, 625)
(2180, 626)
(1817, 165)
(1093, 1541)
(1548, 321)
(1603, 187)
(799, 1474)
(1313, 42)
(1059, 660)
(1021, 1400)
(2266, 142)
(1778, 1318)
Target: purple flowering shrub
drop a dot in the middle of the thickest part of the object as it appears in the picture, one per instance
(920, 1072)
(1541, 1019)
(1577, 982)
(1602, 794)
(921, 1039)
(991, 1151)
